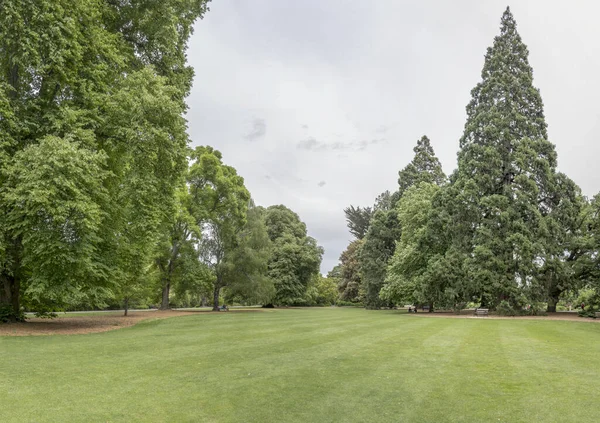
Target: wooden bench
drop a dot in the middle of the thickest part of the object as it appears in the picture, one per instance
(481, 312)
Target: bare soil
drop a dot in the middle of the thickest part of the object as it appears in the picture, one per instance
(72, 324)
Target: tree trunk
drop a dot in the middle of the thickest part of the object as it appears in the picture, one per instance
(10, 296)
(164, 305)
(552, 301)
(126, 306)
(431, 307)
(216, 296)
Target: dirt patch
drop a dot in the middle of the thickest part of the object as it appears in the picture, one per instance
(572, 316)
(72, 324)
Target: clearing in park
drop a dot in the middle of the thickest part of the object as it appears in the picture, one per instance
(307, 365)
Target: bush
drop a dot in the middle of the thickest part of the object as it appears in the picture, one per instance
(590, 312)
(535, 309)
(7, 314)
(505, 309)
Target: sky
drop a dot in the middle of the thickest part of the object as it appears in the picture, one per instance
(318, 104)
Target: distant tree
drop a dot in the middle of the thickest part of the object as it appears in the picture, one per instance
(295, 257)
(404, 278)
(424, 167)
(245, 268)
(377, 248)
(358, 219)
(380, 242)
(349, 285)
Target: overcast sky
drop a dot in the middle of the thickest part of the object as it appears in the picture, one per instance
(318, 103)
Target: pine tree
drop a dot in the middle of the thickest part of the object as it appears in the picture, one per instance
(424, 167)
(503, 187)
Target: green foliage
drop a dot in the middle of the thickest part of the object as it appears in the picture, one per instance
(245, 268)
(295, 257)
(349, 285)
(378, 247)
(406, 282)
(504, 308)
(358, 219)
(97, 89)
(385, 230)
(424, 167)
(54, 203)
(8, 315)
(322, 291)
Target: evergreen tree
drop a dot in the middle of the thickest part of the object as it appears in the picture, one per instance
(424, 167)
(504, 185)
(378, 247)
(349, 285)
(357, 219)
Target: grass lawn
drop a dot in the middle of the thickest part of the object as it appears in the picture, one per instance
(307, 365)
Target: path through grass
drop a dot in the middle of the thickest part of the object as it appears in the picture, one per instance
(307, 365)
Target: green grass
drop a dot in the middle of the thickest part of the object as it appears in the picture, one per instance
(307, 365)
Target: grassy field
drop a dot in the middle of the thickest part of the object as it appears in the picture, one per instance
(307, 365)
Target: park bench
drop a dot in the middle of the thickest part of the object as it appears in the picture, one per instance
(479, 312)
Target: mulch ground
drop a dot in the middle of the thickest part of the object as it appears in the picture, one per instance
(71, 324)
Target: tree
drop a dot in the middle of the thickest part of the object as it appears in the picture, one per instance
(295, 257)
(424, 167)
(377, 248)
(111, 78)
(380, 241)
(322, 291)
(220, 209)
(358, 219)
(505, 175)
(54, 208)
(404, 279)
(349, 285)
(245, 268)
(566, 243)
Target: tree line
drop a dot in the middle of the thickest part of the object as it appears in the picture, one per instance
(506, 230)
(103, 201)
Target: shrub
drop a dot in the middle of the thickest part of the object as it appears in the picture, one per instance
(7, 314)
(505, 309)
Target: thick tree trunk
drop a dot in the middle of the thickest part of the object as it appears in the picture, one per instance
(164, 305)
(431, 307)
(552, 301)
(216, 297)
(10, 295)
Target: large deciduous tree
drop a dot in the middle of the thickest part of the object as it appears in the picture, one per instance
(101, 79)
(296, 257)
